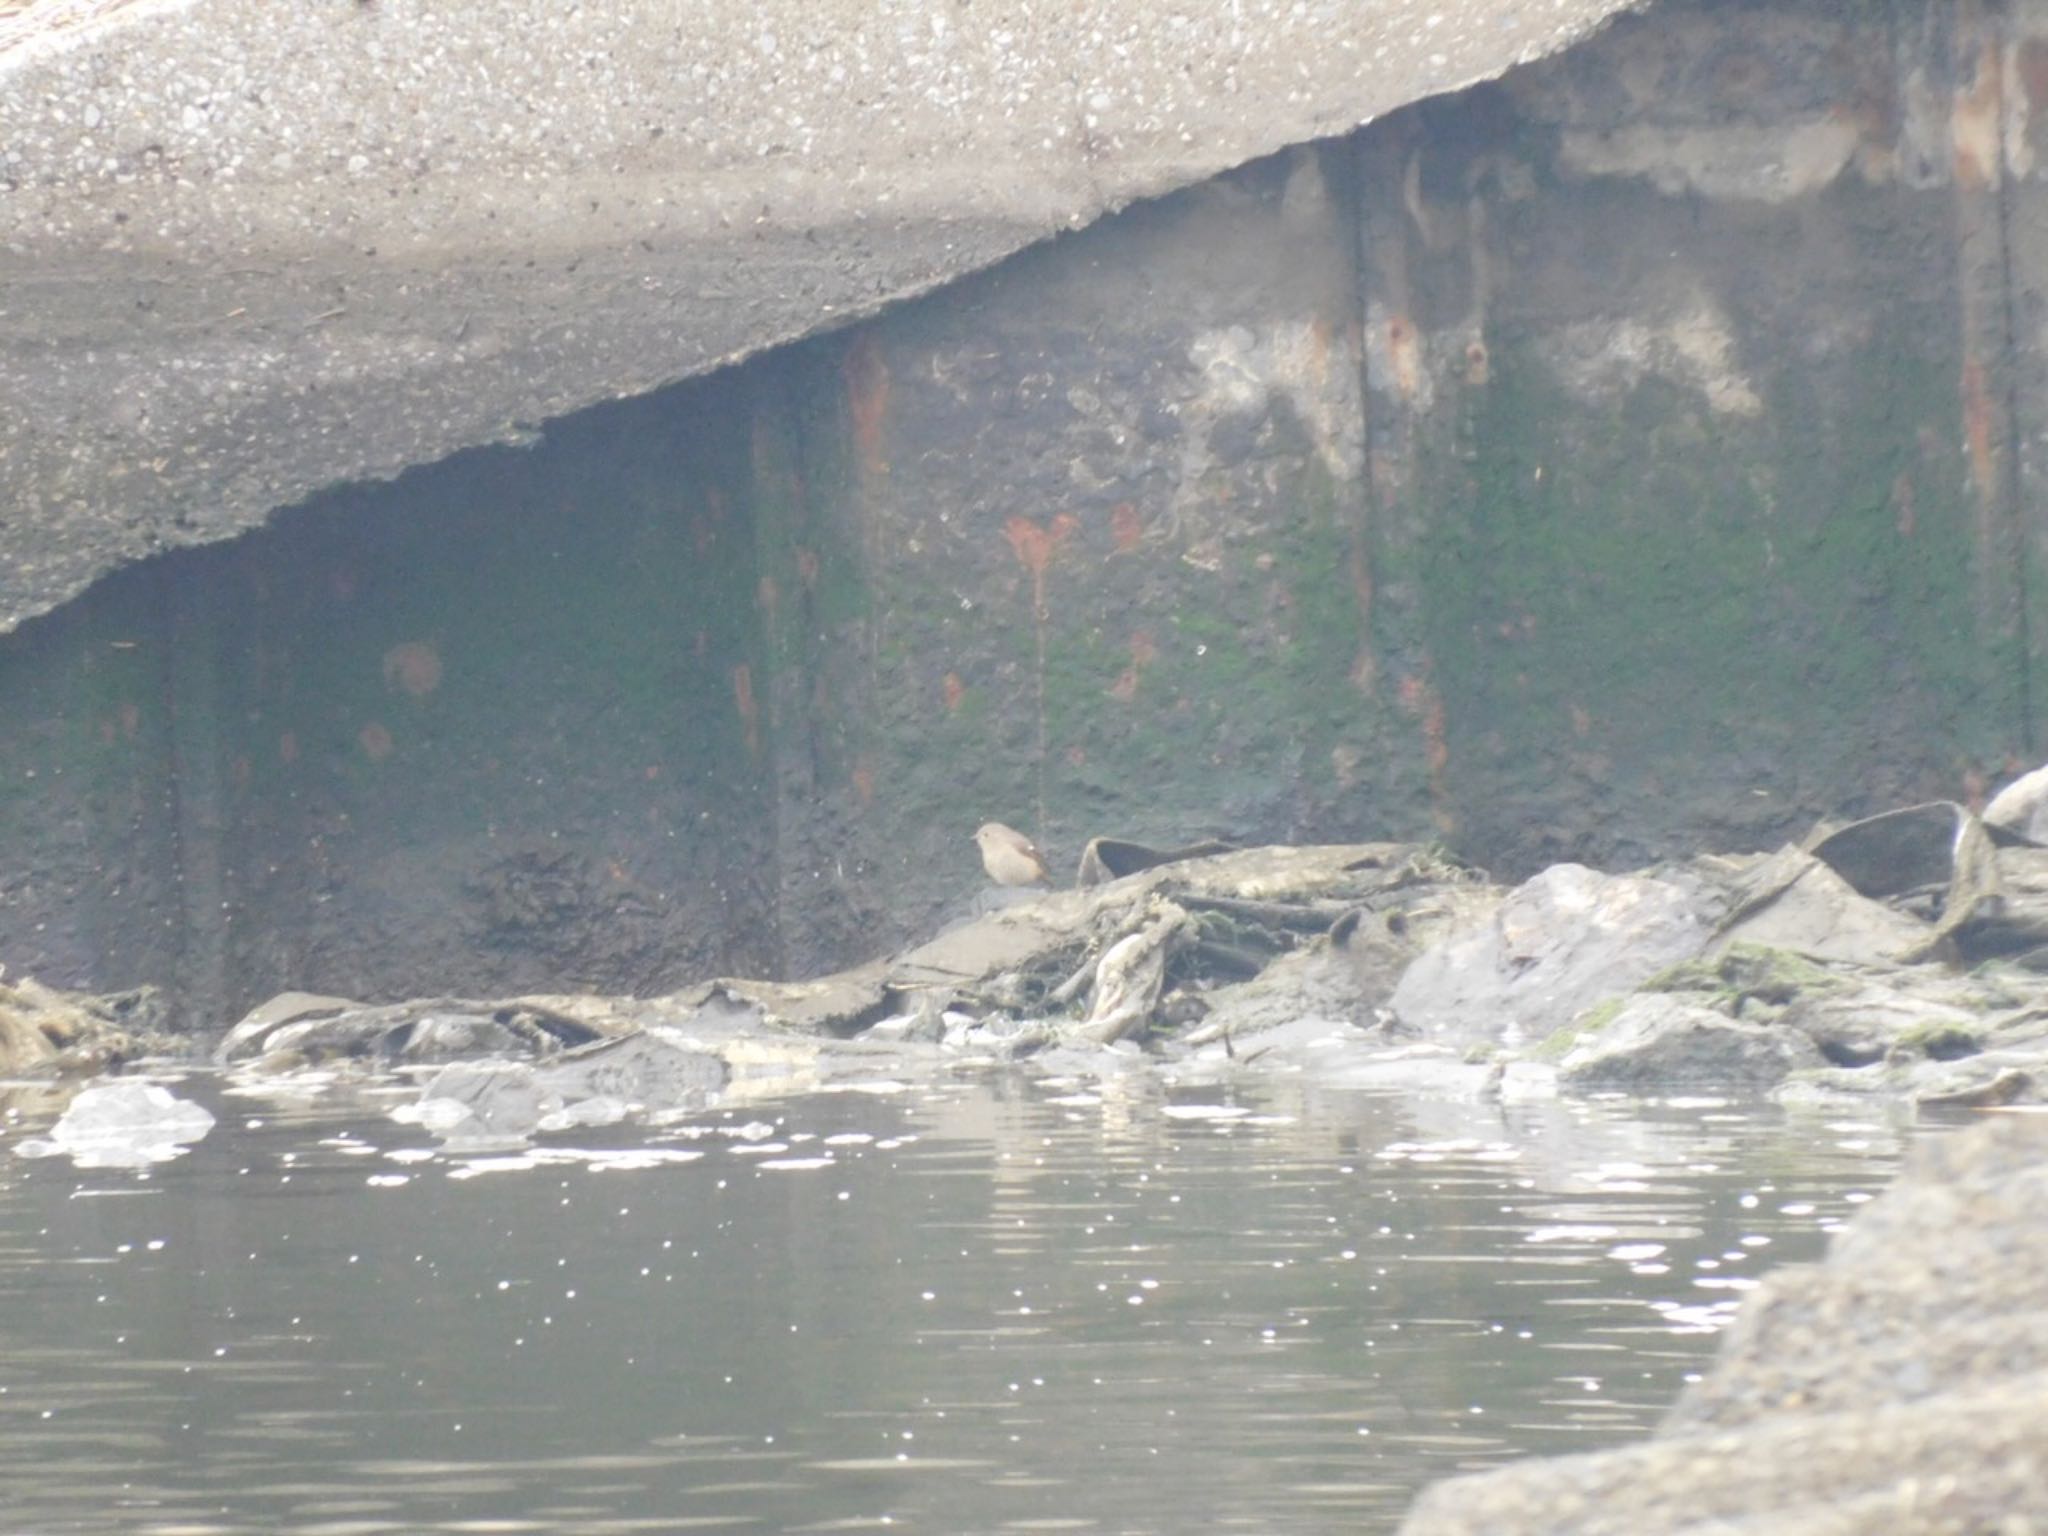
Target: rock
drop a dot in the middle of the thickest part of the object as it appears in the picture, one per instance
(123, 1124)
(44, 1029)
(1240, 914)
(1655, 1043)
(1367, 963)
(840, 1004)
(1898, 851)
(1860, 1022)
(2013, 1085)
(1894, 1388)
(1317, 982)
(1247, 908)
(1982, 883)
(2022, 806)
(1382, 941)
(923, 1019)
(1912, 1298)
(267, 1017)
(2010, 913)
(1558, 944)
(284, 1034)
(655, 1070)
(23, 1045)
(1795, 901)
(473, 1106)
(1740, 979)
(478, 1106)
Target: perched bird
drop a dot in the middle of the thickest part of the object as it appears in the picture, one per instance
(1009, 856)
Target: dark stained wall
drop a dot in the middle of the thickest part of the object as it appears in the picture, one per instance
(1641, 454)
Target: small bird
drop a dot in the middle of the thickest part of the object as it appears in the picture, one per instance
(1009, 856)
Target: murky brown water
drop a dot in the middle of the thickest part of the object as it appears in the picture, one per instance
(987, 1308)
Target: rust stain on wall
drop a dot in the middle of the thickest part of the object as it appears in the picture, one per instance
(1979, 428)
(1420, 698)
(1365, 667)
(1126, 526)
(1034, 547)
(1319, 338)
(1974, 122)
(866, 375)
(1346, 758)
(413, 667)
(1144, 651)
(750, 711)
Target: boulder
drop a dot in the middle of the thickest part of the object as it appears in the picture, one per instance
(296, 1028)
(1894, 1388)
(122, 1124)
(478, 1105)
(1316, 982)
(47, 1030)
(2010, 916)
(655, 1069)
(1796, 901)
(2022, 806)
(1658, 1043)
(1867, 1020)
(1555, 946)
(249, 1032)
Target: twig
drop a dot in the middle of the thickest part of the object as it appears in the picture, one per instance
(1313, 918)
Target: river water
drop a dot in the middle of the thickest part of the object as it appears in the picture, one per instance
(988, 1306)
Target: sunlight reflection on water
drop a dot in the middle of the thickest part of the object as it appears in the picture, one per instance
(991, 1306)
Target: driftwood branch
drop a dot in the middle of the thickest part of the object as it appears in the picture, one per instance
(1131, 975)
(1306, 917)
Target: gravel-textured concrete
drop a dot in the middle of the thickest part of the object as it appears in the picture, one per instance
(251, 249)
(1896, 1387)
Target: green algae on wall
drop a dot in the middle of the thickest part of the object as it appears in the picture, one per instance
(1644, 593)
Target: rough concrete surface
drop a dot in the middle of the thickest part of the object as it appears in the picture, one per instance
(250, 250)
(1417, 482)
(1896, 1387)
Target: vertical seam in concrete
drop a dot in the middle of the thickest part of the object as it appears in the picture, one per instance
(173, 788)
(193, 789)
(773, 681)
(2010, 491)
(1353, 197)
(1040, 618)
